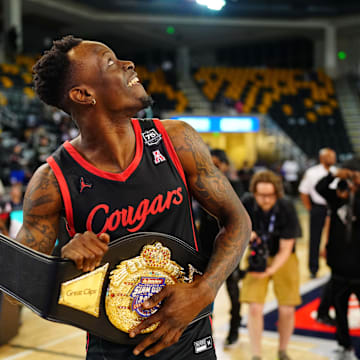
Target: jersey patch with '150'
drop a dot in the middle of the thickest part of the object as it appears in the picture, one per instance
(132, 218)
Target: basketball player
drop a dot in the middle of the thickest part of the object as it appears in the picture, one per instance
(121, 176)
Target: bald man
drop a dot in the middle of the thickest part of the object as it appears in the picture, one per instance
(316, 204)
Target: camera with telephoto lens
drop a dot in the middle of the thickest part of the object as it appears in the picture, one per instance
(259, 253)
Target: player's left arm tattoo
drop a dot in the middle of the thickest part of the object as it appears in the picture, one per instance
(214, 192)
(42, 206)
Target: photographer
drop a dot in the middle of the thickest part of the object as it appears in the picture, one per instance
(275, 227)
(343, 246)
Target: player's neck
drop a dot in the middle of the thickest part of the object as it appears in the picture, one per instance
(110, 148)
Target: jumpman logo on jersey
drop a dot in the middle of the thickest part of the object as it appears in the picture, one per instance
(84, 185)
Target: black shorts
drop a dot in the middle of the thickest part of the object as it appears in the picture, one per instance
(196, 343)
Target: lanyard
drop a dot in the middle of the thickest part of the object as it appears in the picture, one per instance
(259, 223)
(271, 226)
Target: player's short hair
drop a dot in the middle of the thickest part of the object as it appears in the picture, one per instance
(53, 72)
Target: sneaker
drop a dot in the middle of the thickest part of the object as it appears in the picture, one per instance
(343, 354)
(326, 320)
(232, 338)
(282, 355)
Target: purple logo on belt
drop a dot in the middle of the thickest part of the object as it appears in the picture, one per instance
(147, 287)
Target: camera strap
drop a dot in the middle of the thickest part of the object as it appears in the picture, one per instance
(259, 220)
(270, 229)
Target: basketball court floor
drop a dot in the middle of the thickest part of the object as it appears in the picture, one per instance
(39, 339)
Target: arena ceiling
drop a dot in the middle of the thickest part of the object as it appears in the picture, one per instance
(145, 23)
(234, 8)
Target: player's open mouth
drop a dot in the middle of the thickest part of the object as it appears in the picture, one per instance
(133, 82)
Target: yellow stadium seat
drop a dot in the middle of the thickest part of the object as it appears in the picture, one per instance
(311, 116)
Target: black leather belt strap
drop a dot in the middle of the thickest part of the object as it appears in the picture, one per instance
(35, 279)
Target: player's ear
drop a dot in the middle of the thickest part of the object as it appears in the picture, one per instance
(82, 95)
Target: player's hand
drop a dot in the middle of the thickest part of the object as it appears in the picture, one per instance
(180, 304)
(86, 250)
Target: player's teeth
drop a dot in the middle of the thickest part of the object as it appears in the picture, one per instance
(133, 81)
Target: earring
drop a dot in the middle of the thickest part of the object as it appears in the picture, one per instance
(93, 102)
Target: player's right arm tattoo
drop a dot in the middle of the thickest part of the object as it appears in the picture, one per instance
(42, 206)
(214, 192)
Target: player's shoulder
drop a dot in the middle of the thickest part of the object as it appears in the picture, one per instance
(44, 180)
(183, 136)
(43, 195)
(44, 170)
(188, 145)
(177, 127)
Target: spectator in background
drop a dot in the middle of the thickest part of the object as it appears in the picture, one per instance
(343, 247)
(4, 228)
(239, 107)
(4, 162)
(16, 197)
(275, 228)
(208, 230)
(245, 174)
(32, 121)
(57, 116)
(290, 170)
(318, 209)
(16, 206)
(68, 129)
(2, 189)
(10, 225)
(43, 150)
(316, 204)
(17, 172)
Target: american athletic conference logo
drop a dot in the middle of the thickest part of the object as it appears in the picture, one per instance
(147, 287)
(151, 137)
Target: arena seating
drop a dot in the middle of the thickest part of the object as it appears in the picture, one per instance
(22, 113)
(16, 87)
(164, 91)
(303, 103)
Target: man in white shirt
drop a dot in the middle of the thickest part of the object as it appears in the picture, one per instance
(315, 203)
(317, 207)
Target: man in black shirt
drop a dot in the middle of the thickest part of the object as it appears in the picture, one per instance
(343, 246)
(275, 226)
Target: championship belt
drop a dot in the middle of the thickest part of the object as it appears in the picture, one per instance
(107, 301)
